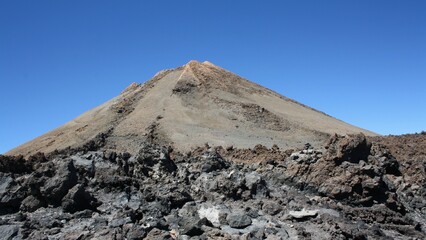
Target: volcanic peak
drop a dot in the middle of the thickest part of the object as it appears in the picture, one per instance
(188, 106)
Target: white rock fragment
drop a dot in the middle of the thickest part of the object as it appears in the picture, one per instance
(303, 214)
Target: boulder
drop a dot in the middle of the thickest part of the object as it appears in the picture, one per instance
(216, 214)
(120, 222)
(32, 203)
(212, 161)
(8, 232)
(238, 220)
(11, 193)
(57, 187)
(155, 162)
(14, 164)
(348, 148)
(136, 233)
(194, 228)
(156, 233)
(303, 214)
(271, 208)
(78, 199)
(255, 184)
(84, 165)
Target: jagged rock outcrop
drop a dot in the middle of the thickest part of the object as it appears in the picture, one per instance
(354, 188)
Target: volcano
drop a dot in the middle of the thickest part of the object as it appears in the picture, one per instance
(138, 167)
(198, 102)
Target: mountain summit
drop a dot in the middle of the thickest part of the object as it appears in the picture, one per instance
(191, 105)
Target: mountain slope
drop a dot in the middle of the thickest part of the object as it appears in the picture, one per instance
(191, 105)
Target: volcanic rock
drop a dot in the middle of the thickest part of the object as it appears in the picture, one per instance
(9, 232)
(57, 187)
(303, 214)
(238, 220)
(78, 199)
(160, 193)
(11, 193)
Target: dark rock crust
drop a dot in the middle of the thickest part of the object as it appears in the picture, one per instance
(354, 188)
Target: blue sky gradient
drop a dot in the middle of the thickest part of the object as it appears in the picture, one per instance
(363, 62)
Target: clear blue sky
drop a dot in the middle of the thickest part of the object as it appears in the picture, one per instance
(361, 61)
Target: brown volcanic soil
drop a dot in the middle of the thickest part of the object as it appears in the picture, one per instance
(410, 150)
(193, 104)
(404, 147)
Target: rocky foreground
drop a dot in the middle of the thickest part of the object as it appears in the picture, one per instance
(353, 188)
